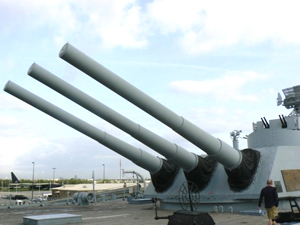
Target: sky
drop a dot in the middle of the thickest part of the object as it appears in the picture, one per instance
(219, 64)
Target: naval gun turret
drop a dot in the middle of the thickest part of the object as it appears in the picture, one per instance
(197, 169)
(232, 184)
(240, 166)
(160, 169)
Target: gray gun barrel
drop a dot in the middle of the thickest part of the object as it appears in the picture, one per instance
(222, 152)
(137, 156)
(174, 153)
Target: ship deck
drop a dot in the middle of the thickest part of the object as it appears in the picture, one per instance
(116, 213)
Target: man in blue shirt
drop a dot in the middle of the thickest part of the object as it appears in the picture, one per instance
(269, 193)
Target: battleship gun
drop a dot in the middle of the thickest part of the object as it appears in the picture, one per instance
(240, 166)
(162, 171)
(197, 169)
(233, 187)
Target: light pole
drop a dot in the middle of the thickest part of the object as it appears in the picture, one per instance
(39, 188)
(32, 180)
(122, 173)
(6, 183)
(54, 175)
(103, 172)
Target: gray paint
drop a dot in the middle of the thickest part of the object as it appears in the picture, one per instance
(279, 147)
(222, 152)
(174, 153)
(274, 137)
(218, 193)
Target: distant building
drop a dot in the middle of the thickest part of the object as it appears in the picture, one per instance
(106, 188)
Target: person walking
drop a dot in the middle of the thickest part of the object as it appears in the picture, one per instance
(270, 195)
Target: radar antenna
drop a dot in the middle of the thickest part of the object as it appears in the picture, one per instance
(292, 99)
(279, 99)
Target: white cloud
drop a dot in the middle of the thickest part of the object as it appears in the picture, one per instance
(199, 26)
(16, 147)
(32, 14)
(228, 87)
(210, 25)
(9, 102)
(121, 24)
(116, 23)
(8, 121)
(171, 16)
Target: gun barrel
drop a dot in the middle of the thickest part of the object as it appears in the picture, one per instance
(137, 156)
(214, 147)
(174, 153)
